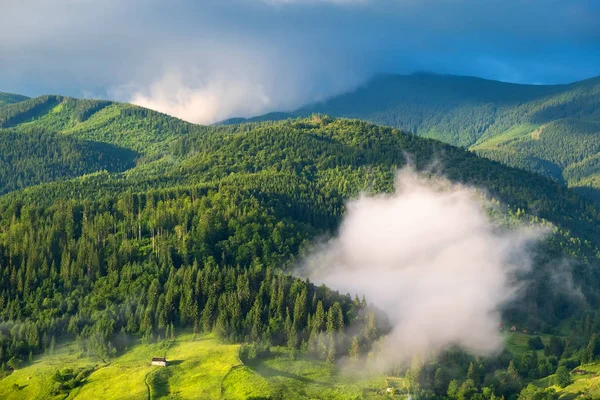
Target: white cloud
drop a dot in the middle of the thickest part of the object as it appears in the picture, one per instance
(429, 256)
(203, 101)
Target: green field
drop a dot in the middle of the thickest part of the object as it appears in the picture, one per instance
(205, 368)
(586, 382)
(516, 342)
(201, 368)
(196, 370)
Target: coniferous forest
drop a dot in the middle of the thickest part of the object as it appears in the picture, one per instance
(548, 129)
(120, 224)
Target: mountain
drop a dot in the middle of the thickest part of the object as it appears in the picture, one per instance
(9, 98)
(552, 130)
(136, 228)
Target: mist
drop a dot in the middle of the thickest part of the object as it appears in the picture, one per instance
(429, 256)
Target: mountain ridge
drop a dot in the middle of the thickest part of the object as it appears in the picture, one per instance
(503, 121)
(10, 98)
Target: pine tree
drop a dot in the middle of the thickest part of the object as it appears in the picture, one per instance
(371, 328)
(221, 329)
(292, 337)
(331, 353)
(512, 371)
(562, 378)
(533, 366)
(440, 384)
(318, 320)
(471, 372)
(593, 348)
(300, 311)
(453, 388)
(354, 351)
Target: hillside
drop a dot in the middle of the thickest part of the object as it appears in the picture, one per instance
(9, 98)
(552, 130)
(199, 367)
(52, 138)
(176, 227)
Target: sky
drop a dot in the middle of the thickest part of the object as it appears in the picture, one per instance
(207, 60)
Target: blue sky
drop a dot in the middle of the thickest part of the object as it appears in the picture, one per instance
(206, 60)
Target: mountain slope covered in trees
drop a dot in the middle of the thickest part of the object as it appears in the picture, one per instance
(9, 98)
(184, 227)
(552, 130)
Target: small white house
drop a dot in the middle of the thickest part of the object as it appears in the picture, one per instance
(160, 361)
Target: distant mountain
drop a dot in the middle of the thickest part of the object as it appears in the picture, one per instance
(9, 98)
(120, 124)
(54, 138)
(553, 130)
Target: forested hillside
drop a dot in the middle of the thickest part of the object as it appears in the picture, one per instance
(179, 227)
(9, 98)
(552, 130)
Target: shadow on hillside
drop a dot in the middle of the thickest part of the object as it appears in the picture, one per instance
(589, 192)
(272, 372)
(174, 362)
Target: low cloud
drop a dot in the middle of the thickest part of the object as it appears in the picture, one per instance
(431, 258)
(245, 81)
(203, 101)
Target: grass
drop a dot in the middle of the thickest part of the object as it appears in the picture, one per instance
(35, 379)
(203, 368)
(517, 342)
(242, 383)
(196, 370)
(282, 376)
(515, 133)
(587, 384)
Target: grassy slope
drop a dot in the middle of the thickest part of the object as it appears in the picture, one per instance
(516, 342)
(586, 384)
(199, 369)
(206, 368)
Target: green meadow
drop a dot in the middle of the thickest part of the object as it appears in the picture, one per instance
(199, 368)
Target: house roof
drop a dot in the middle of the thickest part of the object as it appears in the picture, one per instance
(159, 359)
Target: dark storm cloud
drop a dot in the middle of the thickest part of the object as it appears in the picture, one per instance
(208, 60)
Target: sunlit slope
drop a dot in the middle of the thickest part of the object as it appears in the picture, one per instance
(585, 383)
(52, 138)
(120, 124)
(199, 368)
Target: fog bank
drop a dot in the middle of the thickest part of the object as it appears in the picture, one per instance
(431, 258)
